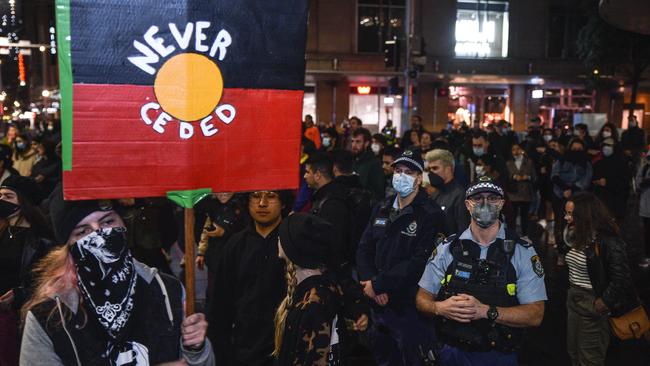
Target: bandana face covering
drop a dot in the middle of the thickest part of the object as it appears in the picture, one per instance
(106, 278)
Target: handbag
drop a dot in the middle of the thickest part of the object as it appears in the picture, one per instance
(633, 324)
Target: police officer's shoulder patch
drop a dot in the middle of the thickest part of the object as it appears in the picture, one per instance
(538, 267)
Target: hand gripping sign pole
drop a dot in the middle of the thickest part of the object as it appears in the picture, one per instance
(187, 200)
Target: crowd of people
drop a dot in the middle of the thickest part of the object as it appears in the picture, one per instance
(416, 249)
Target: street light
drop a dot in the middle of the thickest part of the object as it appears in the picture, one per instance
(16, 104)
(42, 48)
(45, 93)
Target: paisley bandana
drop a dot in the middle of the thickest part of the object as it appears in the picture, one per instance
(106, 277)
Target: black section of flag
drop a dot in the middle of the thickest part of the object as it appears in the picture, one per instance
(267, 50)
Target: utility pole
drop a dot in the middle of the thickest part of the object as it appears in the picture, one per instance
(408, 46)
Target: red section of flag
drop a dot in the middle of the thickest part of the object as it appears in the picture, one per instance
(116, 154)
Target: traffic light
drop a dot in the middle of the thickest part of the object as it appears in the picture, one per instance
(391, 53)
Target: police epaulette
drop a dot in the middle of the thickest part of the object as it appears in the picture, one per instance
(525, 243)
(450, 239)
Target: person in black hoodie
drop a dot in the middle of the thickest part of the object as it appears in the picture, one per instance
(307, 325)
(611, 179)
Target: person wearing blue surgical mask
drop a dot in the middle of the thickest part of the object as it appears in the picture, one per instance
(391, 256)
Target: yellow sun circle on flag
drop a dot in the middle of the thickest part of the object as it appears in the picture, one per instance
(189, 86)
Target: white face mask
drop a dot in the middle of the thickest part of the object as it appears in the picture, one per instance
(548, 138)
(326, 141)
(404, 184)
(607, 134)
(376, 148)
(608, 150)
(480, 170)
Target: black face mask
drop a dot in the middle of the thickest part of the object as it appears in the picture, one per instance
(8, 208)
(435, 180)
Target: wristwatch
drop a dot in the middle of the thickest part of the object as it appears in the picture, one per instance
(492, 313)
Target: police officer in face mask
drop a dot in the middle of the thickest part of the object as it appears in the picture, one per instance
(390, 259)
(483, 286)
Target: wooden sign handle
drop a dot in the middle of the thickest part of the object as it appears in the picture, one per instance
(189, 261)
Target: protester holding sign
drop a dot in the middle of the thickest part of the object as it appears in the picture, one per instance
(95, 305)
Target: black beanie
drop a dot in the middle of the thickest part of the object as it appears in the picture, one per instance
(27, 187)
(306, 240)
(67, 214)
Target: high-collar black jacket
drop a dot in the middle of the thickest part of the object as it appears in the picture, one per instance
(249, 286)
(451, 199)
(609, 274)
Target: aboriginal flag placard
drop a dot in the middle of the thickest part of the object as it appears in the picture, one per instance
(160, 96)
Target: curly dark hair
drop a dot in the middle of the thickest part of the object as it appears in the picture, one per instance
(591, 218)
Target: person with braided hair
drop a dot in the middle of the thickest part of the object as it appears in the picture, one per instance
(307, 326)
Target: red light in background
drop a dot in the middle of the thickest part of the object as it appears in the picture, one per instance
(364, 90)
(21, 67)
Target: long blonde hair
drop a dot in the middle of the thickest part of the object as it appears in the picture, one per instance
(283, 309)
(55, 274)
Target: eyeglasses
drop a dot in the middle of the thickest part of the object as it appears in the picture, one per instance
(258, 196)
(479, 198)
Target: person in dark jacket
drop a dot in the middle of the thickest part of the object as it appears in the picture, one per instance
(633, 140)
(482, 149)
(151, 230)
(307, 327)
(25, 238)
(521, 172)
(330, 202)
(94, 304)
(343, 168)
(391, 257)
(366, 164)
(611, 179)
(416, 126)
(249, 286)
(47, 170)
(449, 193)
(218, 217)
(599, 278)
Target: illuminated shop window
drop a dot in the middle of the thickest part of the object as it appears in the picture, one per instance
(482, 28)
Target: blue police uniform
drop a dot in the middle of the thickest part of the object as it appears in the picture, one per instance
(524, 286)
(392, 254)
